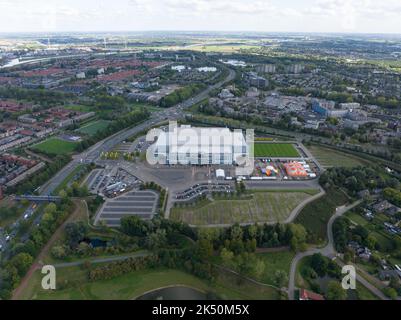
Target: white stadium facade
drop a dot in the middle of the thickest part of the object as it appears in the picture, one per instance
(186, 145)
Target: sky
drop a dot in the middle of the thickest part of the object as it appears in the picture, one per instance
(343, 16)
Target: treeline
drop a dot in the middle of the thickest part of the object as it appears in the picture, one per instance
(393, 195)
(39, 178)
(114, 127)
(240, 239)
(23, 253)
(35, 96)
(186, 260)
(77, 243)
(356, 179)
(8, 212)
(181, 95)
(156, 233)
(344, 97)
(317, 266)
(118, 268)
(343, 234)
(162, 193)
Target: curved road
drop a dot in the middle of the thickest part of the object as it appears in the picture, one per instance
(330, 252)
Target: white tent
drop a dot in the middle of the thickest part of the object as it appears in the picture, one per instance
(220, 174)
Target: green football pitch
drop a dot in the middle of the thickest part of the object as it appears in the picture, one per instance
(275, 150)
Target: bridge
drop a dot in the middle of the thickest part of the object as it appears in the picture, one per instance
(38, 198)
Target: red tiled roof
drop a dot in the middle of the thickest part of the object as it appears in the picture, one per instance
(309, 295)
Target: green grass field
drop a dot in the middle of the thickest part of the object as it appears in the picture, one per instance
(275, 150)
(260, 207)
(332, 158)
(275, 261)
(93, 127)
(72, 284)
(315, 215)
(55, 146)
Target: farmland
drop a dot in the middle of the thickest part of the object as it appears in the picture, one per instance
(55, 146)
(275, 150)
(93, 127)
(258, 207)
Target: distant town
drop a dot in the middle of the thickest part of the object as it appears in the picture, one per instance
(77, 189)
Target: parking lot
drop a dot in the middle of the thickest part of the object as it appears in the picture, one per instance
(202, 189)
(111, 181)
(142, 204)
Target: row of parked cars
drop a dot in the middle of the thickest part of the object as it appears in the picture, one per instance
(200, 189)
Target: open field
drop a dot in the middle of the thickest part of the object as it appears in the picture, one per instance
(55, 146)
(332, 158)
(72, 284)
(93, 127)
(315, 215)
(259, 207)
(275, 150)
(275, 261)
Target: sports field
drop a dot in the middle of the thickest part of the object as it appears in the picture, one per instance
(55, 146)
(275, 150)
(93, 127)
(260, 207)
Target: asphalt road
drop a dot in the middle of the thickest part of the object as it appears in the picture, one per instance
(93, 153)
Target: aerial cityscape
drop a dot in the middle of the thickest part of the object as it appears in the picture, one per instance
(168, 164)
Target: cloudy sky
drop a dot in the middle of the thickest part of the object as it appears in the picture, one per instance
(365, 16)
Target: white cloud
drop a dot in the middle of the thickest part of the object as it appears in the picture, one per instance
(263, 15)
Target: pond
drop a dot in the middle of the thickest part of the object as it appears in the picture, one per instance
(174, 293)
(96, 243)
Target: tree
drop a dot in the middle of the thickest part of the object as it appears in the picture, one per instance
(259, 268)
(227, 257)
(21, 262)
(390, 292)
(335, 291)
(298, 236)
(59, 252)
(319, 264)
(134, 226)
(76, 232)
(204, 248)
(280, 278)
(156, 239)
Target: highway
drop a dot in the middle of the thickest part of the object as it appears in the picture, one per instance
(93, 153)
(90, 155)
